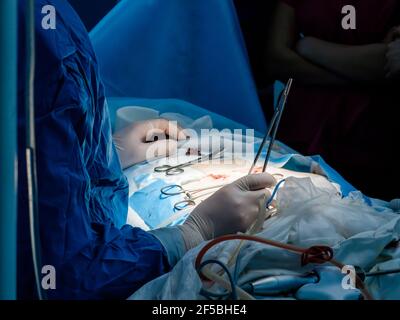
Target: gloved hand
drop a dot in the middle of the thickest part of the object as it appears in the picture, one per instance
(146, 140)
(232, 209)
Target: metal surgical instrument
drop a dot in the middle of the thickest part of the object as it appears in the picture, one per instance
(273, 129)
(175, 170)
(191, 195)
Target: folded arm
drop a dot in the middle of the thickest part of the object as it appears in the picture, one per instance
(282, 59)
(364, 63)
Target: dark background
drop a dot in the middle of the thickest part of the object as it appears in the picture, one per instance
(254, 16)
(92, 11)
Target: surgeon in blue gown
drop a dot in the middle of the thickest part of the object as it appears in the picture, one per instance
(83, 194)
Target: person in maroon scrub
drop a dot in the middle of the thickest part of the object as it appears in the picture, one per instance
(344, 104)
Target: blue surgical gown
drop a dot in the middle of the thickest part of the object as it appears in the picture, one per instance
(83, 194)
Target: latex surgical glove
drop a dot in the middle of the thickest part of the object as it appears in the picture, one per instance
(232, 209)
(393, 60)
(147, 140)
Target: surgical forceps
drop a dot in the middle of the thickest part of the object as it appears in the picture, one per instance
(273, 129)
(175, 170)
(190, 199)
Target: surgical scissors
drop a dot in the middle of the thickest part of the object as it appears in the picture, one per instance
(273, 129)
(175, 170)
(190, 199)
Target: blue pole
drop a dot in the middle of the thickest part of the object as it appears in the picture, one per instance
(8, 149)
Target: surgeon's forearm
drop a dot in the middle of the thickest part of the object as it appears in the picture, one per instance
(178, 240)
(283, 62)
(364, 63)
(286, 63)
(173, 241)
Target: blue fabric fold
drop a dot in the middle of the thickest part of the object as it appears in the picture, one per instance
(189, 50)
